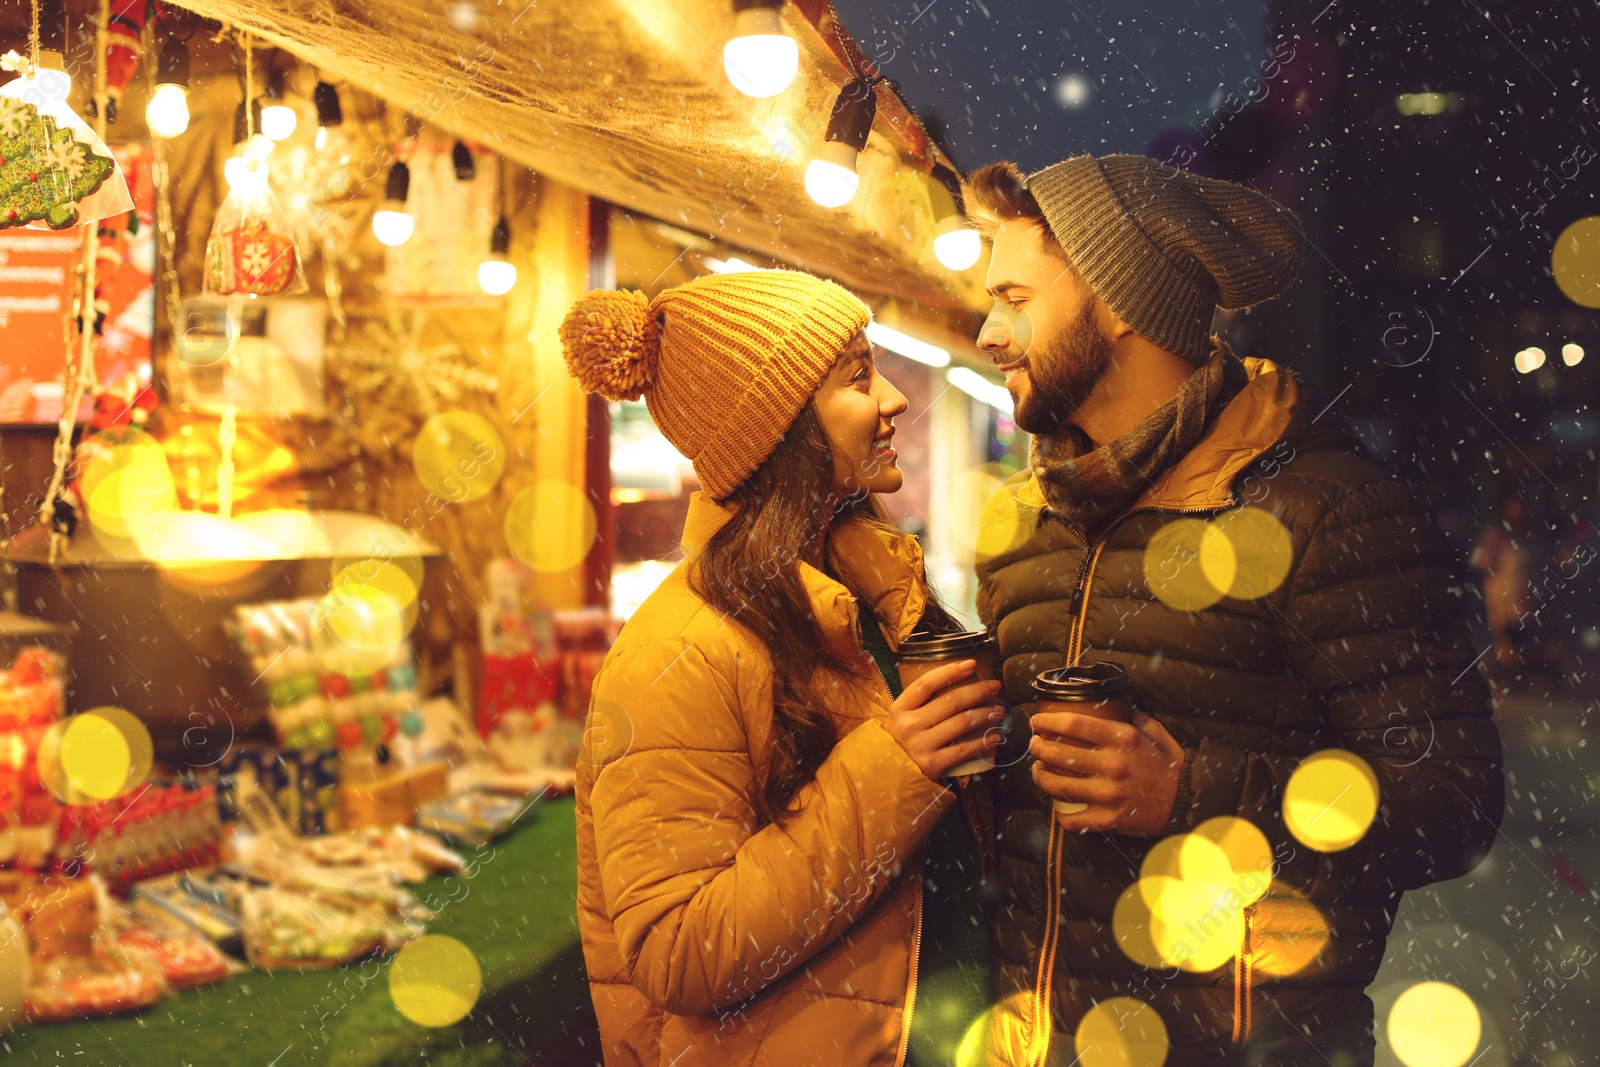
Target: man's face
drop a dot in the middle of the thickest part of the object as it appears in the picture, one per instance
(1044, 333)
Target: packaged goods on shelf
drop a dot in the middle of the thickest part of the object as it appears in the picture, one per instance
(323, 687)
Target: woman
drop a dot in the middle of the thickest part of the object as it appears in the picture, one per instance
(751, 801)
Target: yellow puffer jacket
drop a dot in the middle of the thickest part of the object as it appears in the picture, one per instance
(710, 938)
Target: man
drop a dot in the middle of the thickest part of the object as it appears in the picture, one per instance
(1271, 591)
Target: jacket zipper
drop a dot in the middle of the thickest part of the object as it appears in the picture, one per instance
(916, 907)
(1043, 1027)
(1242, 982)
(911, 984)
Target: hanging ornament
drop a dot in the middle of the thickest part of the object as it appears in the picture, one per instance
(251, 250)
(44, 169)
(57, 171)
(124, 46)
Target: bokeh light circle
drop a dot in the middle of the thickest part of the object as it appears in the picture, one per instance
(98, 755)
(1246, 553)
(1121, 1032)
(1133, 924)
(1198, 925)
(435, 981)
(1004, 523)
(358, 629)
(1331, 799)
(1434, 1024)
(1172, 566)
(550, 525)
(1248, 852)
(126, 485)
(459, 456)
(1575, 262)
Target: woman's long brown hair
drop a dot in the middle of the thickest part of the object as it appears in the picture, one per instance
(749, 571)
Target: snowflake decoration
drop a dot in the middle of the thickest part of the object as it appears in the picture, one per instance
(401, 376)
(12, 118)
(65, 155)
(256, 259)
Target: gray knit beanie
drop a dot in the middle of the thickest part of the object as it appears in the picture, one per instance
(1164, 248)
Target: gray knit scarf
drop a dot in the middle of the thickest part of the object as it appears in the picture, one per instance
(1087, 485)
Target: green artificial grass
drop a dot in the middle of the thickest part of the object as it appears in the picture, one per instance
(517, 914)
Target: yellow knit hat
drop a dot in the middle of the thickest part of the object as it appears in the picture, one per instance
(725, 362)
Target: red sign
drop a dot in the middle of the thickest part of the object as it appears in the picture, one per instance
(36, 296)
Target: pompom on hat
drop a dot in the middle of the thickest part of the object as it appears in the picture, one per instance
(725, 363)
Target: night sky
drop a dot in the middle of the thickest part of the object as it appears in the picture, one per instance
(1039, 80)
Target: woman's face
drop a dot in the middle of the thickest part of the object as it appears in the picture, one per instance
(856, 406)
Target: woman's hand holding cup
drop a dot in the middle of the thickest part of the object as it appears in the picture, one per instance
(932, 717)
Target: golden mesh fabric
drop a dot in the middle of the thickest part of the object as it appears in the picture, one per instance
(627, 100)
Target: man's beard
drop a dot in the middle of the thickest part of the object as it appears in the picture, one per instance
(1063, 372)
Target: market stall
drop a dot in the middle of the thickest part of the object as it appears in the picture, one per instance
(313, 547)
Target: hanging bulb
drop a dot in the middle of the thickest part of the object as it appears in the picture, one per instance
(278, 121)
(831, 178)
(760, 59)
(959, 248)
(391, 224)
(461, 160)
(956, 245)
(329, 113)
(167, 113)
(498, 274)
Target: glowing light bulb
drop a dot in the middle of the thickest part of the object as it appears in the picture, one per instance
(167, 113)
(391, 225)
(278, 122)
(958, 249)
(497, 276)
(322, 138)
(760, 59)
(1571, 354)
(831, 178)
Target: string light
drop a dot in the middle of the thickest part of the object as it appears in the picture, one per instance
(329, 112)
(831, 178)
(461, 160)
(278, 122)
(167, 113)
(956, 245)
(498, 274)
(391, 223)
(760, 59)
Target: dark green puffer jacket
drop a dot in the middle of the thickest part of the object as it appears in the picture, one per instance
(1361, 647)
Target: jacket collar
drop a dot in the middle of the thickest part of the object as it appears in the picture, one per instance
(881, 567)
(1253, 422)
(1202, 479)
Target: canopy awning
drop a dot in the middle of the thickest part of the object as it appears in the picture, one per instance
(627, 100)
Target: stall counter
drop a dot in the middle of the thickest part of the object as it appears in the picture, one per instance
(517, 914)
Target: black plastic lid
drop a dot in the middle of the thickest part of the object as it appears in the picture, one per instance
(1094, 681)
(947, 646)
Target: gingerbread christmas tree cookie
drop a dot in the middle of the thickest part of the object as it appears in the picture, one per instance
(44, 169)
